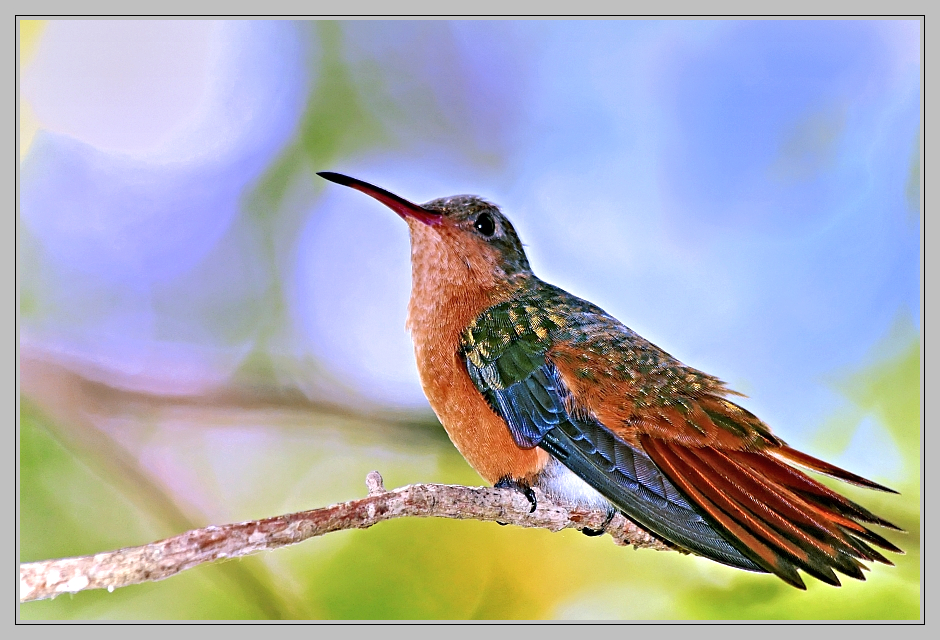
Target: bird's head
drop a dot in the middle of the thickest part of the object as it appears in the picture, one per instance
(463, 240)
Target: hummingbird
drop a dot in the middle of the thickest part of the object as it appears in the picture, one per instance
(540, 389)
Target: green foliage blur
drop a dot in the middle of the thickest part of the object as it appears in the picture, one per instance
(83, 489)
(438, 569)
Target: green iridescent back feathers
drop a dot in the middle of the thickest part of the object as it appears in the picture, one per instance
(509, 340)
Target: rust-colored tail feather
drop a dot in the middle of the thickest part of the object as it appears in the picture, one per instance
(781, 518)
(752, 546)
(808, 527)
(784, 475)
(820, 466)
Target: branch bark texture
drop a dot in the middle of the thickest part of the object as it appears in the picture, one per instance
(162, 559)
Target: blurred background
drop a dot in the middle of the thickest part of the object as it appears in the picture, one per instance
(210, 333)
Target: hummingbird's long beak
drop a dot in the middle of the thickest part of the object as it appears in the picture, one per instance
(397, 204)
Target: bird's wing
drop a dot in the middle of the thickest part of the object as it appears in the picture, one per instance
(661, 441)
(505, 352)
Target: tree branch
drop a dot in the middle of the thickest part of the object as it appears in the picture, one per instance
(162, 559)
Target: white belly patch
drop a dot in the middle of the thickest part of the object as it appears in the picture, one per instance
(562, 485)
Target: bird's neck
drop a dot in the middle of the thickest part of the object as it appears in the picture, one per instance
(448, 291)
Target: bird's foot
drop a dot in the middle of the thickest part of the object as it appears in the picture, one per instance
(520, 486)
(611, 512)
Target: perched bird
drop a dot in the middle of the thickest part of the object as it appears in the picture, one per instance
(539, 388)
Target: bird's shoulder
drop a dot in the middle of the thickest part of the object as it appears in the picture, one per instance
(540, 318)
(608, 370)
(530, 320)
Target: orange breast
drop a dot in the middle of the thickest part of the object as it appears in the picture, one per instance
(479, 434)
(450, 287)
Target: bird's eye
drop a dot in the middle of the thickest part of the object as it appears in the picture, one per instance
(484, 224)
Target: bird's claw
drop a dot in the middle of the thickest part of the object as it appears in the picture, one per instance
(599, 532)
(521, 487)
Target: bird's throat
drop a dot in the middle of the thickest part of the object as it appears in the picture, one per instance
(450, 284)
(449, 291)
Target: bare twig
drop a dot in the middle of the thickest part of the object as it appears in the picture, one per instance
(159, 560)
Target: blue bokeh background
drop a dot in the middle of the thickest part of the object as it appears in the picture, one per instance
(745, 194)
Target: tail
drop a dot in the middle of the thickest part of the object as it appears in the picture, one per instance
(775, 514)
(806, 461)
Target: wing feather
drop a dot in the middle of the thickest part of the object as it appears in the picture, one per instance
(662, 443)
